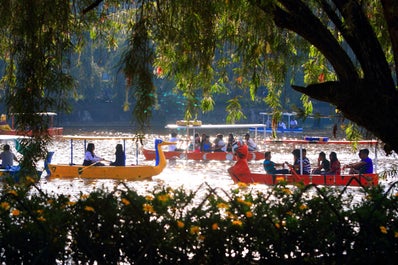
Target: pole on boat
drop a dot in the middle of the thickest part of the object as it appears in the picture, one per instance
(136, 153)
(71, 151)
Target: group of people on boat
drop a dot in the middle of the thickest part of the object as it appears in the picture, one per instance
(203, 143)
(90, 158)
(301, 163)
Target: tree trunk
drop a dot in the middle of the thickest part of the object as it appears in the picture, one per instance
(363, 104)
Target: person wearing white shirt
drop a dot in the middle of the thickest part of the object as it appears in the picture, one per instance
(251, 145)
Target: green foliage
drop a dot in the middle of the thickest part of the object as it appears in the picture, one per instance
(279, 225)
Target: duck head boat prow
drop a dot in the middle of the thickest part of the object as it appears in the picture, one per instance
(133, 172)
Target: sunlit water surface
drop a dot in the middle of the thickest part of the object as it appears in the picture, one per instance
(185, 173)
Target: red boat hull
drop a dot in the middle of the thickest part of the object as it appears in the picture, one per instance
(328, 180)
(53, 131)
(150, 155)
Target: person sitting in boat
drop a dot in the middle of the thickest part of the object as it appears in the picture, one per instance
(323, 164)
(365, 166)
(7, 157)
(293, 124)
(206, 145)
(173, 139)
(120, 157)
(240, 170)
(334, 164)
(90, 158)
(202, 141)
(269, 166)
(231, 141)
(219, 144)
(301, 160)
(282, 125)
(251, 145)
(197, 143)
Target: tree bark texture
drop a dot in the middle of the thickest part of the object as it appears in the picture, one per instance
(366, 94)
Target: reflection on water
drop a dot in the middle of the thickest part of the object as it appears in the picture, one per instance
(184, 173)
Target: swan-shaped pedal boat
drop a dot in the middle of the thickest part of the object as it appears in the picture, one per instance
(134, 172)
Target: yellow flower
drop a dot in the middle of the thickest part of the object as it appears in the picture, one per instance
(249, 214)
(148, 198)
(41, 219)
(214, 226)
(242, 185)
(5, 205)
(84, 196)
(148, 208)
(287, 191)
(30, 180)
(383, 229)
(231, 215)
(40, 211)
(279, 179)
(222, 205)
(242, 201)
(13, 192)
(194, 230)
(396, 234)
(289, 213)
(237, 222)
(15, 212)
(303, 207)
(125, 201)
(89, 209)
(164, 197)
(71, 203)
(277, 225)
(180, 224)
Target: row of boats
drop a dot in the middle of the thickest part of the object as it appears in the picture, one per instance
(141, 172)
(160, 156)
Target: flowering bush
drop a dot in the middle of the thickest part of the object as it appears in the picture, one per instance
(277, 225)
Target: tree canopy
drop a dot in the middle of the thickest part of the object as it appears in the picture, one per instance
(347, 51)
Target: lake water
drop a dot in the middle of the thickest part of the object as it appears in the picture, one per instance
(185, 173)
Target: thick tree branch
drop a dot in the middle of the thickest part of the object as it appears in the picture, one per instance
(361, 37)
(390, 8)
(297, 17)
(91, 7)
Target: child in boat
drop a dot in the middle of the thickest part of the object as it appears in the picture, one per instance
(90, 158)
(323, 164)
(365, 166)
(269, 166)
(334, 164)
(240, 171)
(120, 156)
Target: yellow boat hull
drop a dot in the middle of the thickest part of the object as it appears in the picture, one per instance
(139, 172)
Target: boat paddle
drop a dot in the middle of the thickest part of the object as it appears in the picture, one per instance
(80, 170)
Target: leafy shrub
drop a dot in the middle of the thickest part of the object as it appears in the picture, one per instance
(279, 225)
